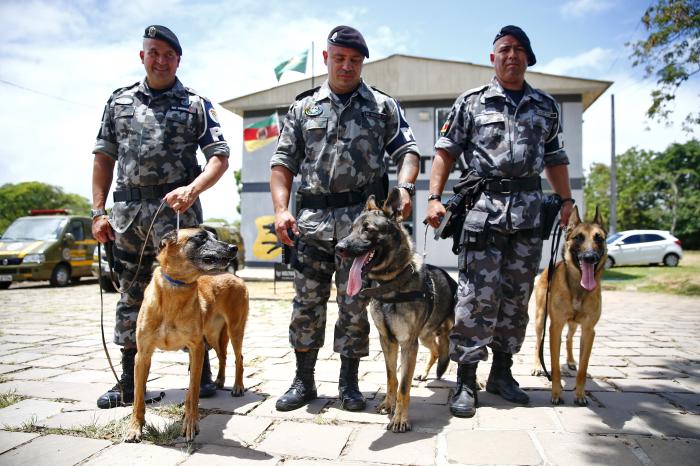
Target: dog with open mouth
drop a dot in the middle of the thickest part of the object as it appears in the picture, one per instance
(575, 300)
(409, 302)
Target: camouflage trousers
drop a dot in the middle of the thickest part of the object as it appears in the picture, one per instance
(318, 262)
(492, 300)
(128, 247)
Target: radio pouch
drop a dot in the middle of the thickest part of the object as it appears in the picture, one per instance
(475, 230)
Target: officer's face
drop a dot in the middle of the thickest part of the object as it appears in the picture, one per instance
(509, 59)
(161, 62)
(344, 68)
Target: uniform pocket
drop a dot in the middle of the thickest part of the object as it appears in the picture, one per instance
(490, 128)
(123, 117)
(179, 123)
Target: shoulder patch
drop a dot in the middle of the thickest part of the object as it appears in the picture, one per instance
(307, 93)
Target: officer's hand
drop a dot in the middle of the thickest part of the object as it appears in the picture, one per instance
(405, 204)
(284, 221)
(181, 199)
(436, 211)
(565, 213)
(101, 229)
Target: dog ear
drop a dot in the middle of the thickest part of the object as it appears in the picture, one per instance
(598, 218)
(371, 203)
(574, 219)
(168, 239)
(392, 204)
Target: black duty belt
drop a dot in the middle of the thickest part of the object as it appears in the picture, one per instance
(138, 193)
(513, 185)
(344, 199)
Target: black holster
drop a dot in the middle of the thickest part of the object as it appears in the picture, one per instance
(549, 210)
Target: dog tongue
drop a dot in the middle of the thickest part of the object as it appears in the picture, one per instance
(355, 279)
(587, 280)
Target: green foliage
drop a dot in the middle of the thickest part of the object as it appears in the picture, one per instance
(16, 200)
(655, 190)
(237, 174)
(671, 53)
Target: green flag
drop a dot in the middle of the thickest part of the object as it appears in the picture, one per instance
(296, 63)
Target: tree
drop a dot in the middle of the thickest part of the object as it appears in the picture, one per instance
(237, 174)
(656, 190)
(671, 53)
(16, 200)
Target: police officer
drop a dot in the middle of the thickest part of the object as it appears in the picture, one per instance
(335, 137)
(151, 131)
(508, 132)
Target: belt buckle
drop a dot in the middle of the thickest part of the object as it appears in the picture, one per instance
(506, 186)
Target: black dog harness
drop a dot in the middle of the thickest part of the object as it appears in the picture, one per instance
(389, 292)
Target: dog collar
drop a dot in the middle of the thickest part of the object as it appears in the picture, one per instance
(174, 281)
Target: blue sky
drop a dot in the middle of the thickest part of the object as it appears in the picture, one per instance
(67, 57)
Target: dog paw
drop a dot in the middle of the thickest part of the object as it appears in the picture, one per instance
(556, 401)
(219, 383)
(237, 391)
(190, 428)
(571, 366)
(581, 401)
(399, 426)
(385, 407)
(421, 377)
(133, 435)
(537, 372)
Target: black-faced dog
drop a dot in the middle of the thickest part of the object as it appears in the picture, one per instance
(187, 302)
(574, 300)
(408, 302)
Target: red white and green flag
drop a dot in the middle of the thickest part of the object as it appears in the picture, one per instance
(261, 133)
(296, 63)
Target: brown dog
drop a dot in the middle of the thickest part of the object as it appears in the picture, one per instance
(574, 300)
(188, 301)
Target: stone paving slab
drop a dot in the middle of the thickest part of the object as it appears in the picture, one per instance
(93, 417)
(678, 452)
(231, 430)
(216, 455)
(55, 450)
(372, 445)
(635, 402)
(672, 424)
(567, 449)
(592, 420)
(517, 418)
(491, 447)
(29, 411)
(139, 453)
(306, 440)
(10, 440)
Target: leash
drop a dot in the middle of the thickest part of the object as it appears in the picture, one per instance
(550, 273)
(119, 290)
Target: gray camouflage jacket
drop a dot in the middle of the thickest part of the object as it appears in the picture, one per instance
(338, 147)
(154, 140)
(499, 139)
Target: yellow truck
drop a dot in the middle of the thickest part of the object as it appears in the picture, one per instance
(47, 245)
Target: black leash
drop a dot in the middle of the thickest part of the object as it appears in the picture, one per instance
(120, 290)
(550, 273)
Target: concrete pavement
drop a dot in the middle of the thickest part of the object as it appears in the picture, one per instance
(643, 396)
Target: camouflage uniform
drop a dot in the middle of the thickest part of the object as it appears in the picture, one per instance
(500, 139)
(153, 140)
(336, 148)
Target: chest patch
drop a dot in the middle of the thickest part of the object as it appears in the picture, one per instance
(124, 100)
(313, 110)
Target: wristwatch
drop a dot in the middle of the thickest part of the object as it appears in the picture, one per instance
(435, 197)
(410, 187)
(97, 213)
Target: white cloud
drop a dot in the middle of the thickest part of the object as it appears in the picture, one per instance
(578, 8)
(592, 60)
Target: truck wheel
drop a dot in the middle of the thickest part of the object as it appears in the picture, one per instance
(60, 275)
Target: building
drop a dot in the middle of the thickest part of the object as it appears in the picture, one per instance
(426, 89)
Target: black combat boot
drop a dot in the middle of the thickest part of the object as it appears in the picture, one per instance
(113, 397)
(465, 399)
(501, 381)
(207, 388)
(303, 387)
(351, 398)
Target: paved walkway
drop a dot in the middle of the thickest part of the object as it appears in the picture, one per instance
(643, 396)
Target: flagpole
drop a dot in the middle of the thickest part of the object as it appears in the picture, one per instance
(312, 64)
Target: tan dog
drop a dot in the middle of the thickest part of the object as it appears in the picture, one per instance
(183, 305)
(574, 300)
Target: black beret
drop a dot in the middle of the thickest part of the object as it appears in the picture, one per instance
(345, 36)
(519, 34)
(166, 35)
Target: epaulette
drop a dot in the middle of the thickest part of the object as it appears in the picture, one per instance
(307, 93)
(381, 92)
(475, 90)
(545, 94)
(191, 91)
(116, 91)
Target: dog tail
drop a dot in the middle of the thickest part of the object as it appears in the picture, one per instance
(442, 364)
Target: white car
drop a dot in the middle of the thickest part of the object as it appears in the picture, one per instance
(641, 247)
